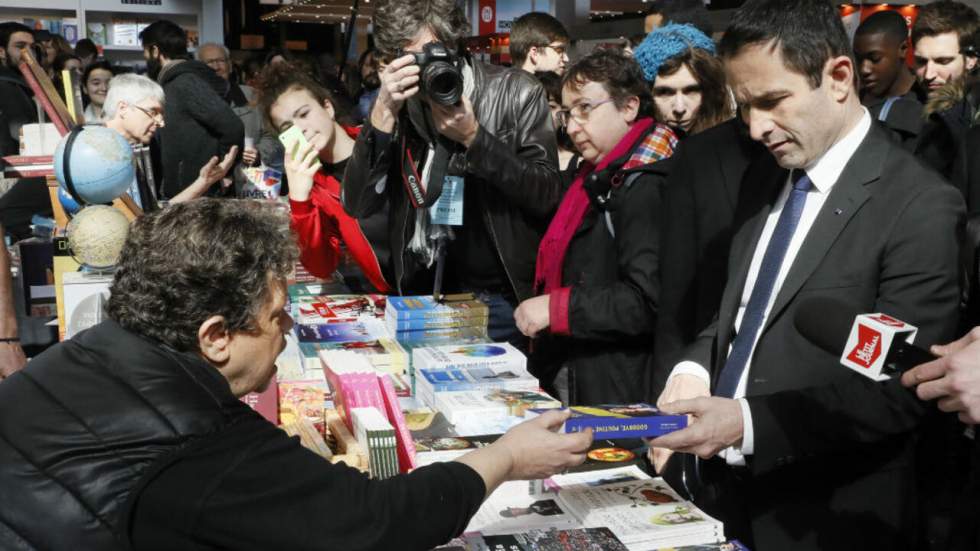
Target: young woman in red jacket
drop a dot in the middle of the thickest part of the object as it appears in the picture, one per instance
(290, 98)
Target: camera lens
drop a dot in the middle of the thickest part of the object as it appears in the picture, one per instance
(443, 83)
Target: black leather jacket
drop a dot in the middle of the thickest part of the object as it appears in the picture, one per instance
(512, 164)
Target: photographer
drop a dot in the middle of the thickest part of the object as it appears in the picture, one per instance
(480, 135)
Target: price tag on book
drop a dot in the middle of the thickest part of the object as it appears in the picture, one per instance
(448, 209)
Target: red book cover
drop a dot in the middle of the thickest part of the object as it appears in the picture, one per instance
(49, 108)
(265, 402)
(403, 437)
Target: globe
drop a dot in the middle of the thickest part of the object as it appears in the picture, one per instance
(96, 236)
(101, 164)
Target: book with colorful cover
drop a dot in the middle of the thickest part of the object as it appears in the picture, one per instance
(364, 329)
(731, 545)
(450, 334)
(497, 356)
(644, 513)
(423, 324)
(354, 382)
(384, 353)
(303, 400)
(622, 421)
(460, 406)
(425, 307)
(320, 309)
(431, 381)
(571, 539)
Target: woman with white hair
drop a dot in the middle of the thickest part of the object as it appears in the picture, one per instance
(134, 108)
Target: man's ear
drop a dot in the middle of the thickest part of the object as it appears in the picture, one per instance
(840, 71)
(214, 340)
(329, 108)
(532, 55)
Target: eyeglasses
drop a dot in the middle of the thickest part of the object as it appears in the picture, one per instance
(579, 113)
(156, 116)
(216, 61)
(559, 48)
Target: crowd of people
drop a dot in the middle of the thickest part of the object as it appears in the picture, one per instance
(647, 222)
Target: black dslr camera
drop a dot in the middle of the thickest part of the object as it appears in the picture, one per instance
(440, 78)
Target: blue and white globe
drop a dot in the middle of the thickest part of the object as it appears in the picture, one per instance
(68, 202)
(101, 164)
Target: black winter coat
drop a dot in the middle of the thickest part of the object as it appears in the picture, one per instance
(199, 124)
(16, 109)
(512, 166)
(112, 441)
(612, 308)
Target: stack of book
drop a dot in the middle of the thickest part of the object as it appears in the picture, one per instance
(469, 367)
(357, 384)
(412, 319)
(321, 309)
(384, 353)
(643, 512)
(468, 406)
(377, 436)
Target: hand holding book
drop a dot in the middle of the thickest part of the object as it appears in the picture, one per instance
(529, 451)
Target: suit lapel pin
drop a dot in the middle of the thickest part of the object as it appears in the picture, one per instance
(838, 212)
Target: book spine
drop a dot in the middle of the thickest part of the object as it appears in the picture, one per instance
(43, 99)
(462, 313)
(403, 437)
(421, 324)
(632, 427)
(426, 334)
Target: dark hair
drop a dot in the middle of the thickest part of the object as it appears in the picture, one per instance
(946, 17)
(173, 274)
(396, 22)
(691, 12)
(887, 22)
(807, 32)
(535, 29)
(635, 40)
(169, 37)
(85, 47)
(276, 80)
(8, 29)
(60, 60)
(551, 83)
(104, 65)
(709, 72)
(285, 54)
(619, 74)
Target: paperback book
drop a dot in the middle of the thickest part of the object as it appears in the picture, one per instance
(365, 329)
(426, 308)
(467, 405)
(431, 381)
(611, 421)
(377, 436)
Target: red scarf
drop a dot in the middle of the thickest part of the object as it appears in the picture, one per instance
(554, 245)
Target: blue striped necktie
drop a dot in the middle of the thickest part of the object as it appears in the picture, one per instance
(755, 310)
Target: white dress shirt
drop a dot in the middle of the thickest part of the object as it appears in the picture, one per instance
(824, 174)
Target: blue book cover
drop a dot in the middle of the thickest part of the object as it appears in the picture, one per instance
(610, 421)
(427, 324)
(425, 307)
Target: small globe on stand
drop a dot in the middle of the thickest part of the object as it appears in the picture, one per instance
(96, 236)
(100, 164)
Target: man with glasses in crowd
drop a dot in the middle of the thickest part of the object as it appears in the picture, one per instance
(539, 44)
(239, 97)
(492, 153)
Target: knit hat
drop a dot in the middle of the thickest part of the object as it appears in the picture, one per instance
(666, 42)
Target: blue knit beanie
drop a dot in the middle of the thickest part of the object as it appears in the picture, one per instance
(666, 42)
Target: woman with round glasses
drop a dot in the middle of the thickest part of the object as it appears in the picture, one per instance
(596, 273)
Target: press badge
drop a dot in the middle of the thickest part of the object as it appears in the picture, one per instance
(448, 209)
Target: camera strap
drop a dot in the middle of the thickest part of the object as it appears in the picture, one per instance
(424, 193)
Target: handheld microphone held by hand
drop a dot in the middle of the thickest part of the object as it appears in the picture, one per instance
(877, 346)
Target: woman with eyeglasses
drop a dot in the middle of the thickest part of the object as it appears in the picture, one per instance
(596, 274)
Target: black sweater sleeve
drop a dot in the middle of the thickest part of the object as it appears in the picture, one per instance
(253, 487)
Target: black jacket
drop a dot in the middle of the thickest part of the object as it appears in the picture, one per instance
(612, 292)
(832, 463)
(199, 124)
(511, 166)
(17, 108)
(699, 205)
(111, 441)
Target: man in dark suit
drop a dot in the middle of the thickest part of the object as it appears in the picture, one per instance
(812, 456)
(699, 206)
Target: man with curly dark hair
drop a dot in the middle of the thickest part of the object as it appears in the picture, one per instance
(131, 435)
(490, 149)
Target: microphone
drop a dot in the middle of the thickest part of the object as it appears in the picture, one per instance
(877, 346)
